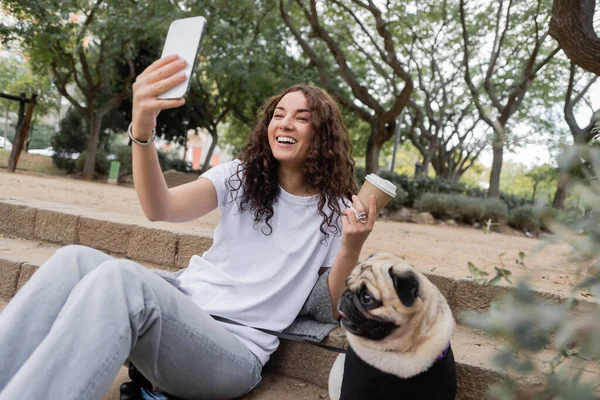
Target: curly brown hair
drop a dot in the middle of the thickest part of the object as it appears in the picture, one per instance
(329, 167)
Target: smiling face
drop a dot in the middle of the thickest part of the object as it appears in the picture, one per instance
(290, 130)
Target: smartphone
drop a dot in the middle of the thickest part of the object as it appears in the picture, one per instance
(184, 38)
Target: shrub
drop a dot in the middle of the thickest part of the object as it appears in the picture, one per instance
(511, 200)
(72, 135)
(552, 343)
(171, 161)
(446, 206)
(398, 202)
(167, 161)
(102, 163)
(494, 209)
(568, 216)
(524, 218)
(66, 163)
(72, 138)
(462, 208)
(124, 156)
(359, 174)
(514, 201)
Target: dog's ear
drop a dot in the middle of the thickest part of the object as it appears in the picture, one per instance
(406, 285)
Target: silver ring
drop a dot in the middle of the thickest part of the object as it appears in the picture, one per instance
(360, 217)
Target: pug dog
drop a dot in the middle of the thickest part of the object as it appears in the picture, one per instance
(398, 326)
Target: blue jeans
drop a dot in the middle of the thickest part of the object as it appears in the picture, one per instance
(83, 314)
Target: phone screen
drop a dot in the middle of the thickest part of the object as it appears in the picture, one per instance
(184, 38)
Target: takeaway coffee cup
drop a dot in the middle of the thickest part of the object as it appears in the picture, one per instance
(382, 189)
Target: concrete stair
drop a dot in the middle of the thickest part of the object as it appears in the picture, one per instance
(33, 230)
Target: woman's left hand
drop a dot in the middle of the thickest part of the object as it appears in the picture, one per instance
(356, 232)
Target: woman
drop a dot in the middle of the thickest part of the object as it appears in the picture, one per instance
(83, 314)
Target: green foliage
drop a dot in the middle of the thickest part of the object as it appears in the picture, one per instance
(530, 325)
(397, 202)
(123, 154)
(72, 135)
(167, 161)
(83, 45)
(41, 136)
(457, 207)
(71, 139)
(462, 208)
(494, 209)
(524, 218)
(40, 83)
(418, 186)
(512, 200)
(102, 165)
(11, 71)
(477, 207)
(482, 277)
(244, 61)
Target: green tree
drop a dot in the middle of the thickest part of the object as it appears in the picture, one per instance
(354, 47)
(81, 42)
(499, 83)
(544, 175)
(11, 70)
(243, 62)
(444, 124)
(47, 101)
(577, 96)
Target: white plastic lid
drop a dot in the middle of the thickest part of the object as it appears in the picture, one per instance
(382, 184)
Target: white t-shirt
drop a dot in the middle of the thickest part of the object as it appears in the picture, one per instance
(256, 279)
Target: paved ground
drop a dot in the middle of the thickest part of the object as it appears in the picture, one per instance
(442, 249)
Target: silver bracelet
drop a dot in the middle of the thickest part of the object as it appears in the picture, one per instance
(134, 140)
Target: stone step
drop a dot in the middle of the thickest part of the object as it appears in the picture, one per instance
(20, 257)
(473, 352)
(170, 246)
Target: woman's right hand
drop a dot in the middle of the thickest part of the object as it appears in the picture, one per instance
(160, 76)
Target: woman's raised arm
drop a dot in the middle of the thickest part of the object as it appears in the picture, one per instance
(159, 203)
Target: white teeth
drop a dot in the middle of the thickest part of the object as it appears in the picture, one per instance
(285, 139)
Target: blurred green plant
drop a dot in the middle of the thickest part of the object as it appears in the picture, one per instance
(566, 332)
(463, 208)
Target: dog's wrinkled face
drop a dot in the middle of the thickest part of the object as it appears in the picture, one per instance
(382, 294)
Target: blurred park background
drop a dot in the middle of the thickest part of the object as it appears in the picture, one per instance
(461, 98)
(455, 98)
(470, 107)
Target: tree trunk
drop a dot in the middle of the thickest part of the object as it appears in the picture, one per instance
(22, 130)
(373, 151)
(426, 164)
(498, 154)
(213, 134)
(30, 134)
(456, 174)
(6, 123)
(572, 25)
(94, 139)
(560, 196)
